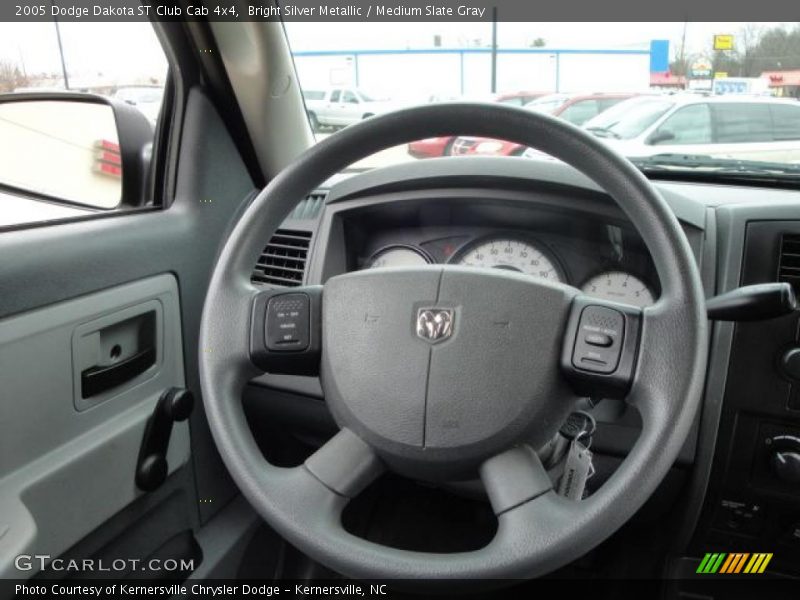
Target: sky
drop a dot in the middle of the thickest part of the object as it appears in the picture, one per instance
(126, 52)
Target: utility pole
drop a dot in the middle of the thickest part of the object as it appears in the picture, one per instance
(61, 52)
(22, 62)
(682, 58)
(494, 50)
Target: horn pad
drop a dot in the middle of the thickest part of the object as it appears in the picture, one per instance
(440, 368)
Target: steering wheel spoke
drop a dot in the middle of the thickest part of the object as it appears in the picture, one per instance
(513, 478)
(601, 347)
(286, 331)
(345, 464)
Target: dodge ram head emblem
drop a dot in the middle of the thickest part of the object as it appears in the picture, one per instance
(434, 324)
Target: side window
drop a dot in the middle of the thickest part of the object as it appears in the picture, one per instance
(71, 119)
(335, 95)
(606, 103)
(741, 123)
(580, 112)
(785, 121)
(349, 97)
(688, 125)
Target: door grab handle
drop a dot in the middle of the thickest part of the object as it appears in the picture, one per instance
(96, 380)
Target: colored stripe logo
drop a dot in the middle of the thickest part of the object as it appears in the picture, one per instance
(734, 563)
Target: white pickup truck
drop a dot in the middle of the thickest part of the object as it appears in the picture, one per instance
(339, 107)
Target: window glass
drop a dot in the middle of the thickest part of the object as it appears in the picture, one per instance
(687, 125)
(630, 118)
(785, 121)
(580, 112)
(313, 94)
(601, 78)
(606, 103)
(546, 104)
(741, 123)
(349, 97)
(335, 95)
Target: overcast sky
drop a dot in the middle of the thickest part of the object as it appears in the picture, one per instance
(121, 51)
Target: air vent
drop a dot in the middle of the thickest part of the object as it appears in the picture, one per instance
(309, 207)
(789, 263)
(283, 262)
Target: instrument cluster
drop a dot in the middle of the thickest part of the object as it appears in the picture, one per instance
(611, 279)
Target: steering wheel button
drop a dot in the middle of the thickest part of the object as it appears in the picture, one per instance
(598, 339)
(286, 327)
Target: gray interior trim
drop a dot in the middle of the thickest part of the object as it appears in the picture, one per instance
(224, 540)
(46, 265)
(444, 171)
(261, 71)
(64, 472)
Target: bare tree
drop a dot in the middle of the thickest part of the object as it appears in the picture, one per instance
(747, 48)
(11, 77)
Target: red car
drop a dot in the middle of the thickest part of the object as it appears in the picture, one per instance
(442, 146)
(575, 108)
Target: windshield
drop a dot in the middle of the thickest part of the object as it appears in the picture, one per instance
(645, 89)
(630, 118)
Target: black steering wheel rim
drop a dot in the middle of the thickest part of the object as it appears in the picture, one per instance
(540, 534)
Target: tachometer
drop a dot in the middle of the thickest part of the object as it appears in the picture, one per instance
(398, 256)
(619, 286)
(513, 255)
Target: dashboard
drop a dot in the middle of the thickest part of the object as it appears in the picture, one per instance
(548, 221)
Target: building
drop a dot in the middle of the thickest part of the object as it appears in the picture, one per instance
(785, 84)
(667, 81)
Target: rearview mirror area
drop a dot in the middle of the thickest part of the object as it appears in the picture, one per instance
(62, 149)
(88, 152)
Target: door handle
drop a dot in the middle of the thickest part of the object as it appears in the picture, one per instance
(98, 379)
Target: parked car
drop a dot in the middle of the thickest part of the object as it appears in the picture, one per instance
(342, 106)
(442, 146)
(749, 128)
(575, 108)
(147, 98)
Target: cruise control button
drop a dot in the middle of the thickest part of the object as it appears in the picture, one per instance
(287, 322)
(598, 339)
(598, 345)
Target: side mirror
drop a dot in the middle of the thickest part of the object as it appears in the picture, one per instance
(661, 136)
(73, 147)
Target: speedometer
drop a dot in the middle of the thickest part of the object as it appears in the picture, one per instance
(620, 287)
(398, 256)
(512, 255)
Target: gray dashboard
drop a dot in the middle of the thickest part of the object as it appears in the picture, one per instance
(431, 202)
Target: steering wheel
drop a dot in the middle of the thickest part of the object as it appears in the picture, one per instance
(447, 373)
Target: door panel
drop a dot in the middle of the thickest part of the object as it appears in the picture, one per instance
(66, 471)
(67, 466)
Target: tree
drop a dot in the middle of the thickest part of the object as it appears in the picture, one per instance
(11, 77)
(757, 50)
(538, 43)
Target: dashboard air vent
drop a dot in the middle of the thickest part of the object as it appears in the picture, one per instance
(789, 263)
(283, 262)
(309, 207)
